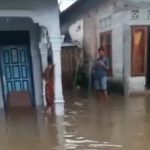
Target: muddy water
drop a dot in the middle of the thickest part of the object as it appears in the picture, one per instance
(87, 124)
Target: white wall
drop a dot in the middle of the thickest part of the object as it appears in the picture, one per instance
(90, 35)
(92, 27)
(117, 45)
(108, 20)
(45, 12)
(117, 18)
(76, 31)
(136, 83)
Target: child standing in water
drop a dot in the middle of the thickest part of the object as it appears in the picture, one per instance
(48, 76)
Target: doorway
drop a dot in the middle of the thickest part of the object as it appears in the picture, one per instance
(141, 52)
(16, 70)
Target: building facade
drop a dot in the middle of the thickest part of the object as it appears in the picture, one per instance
(122, 28)
(30, 31)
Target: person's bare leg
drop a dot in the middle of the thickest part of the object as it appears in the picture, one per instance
(48, 111)
(101, 95)
(45, 111)
(97, 94)
(105, 95)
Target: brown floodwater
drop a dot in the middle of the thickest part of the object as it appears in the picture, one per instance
(87, 124)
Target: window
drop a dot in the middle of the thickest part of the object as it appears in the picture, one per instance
(106, 43)
(139, 48)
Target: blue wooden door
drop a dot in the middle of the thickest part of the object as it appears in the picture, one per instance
(16, 70)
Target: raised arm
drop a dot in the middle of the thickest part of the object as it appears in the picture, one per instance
(106, 64)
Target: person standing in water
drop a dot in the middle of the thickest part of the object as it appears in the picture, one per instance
(48, 77)
(100, 70)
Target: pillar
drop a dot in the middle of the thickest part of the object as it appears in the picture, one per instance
(55, 40)
(126, 58)
(44, 53)
(56, 49)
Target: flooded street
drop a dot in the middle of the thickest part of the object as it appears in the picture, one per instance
(86, 125)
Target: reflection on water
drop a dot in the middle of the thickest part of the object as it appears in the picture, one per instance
(87, 124)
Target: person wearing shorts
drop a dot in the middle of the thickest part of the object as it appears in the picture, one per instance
(100, 70)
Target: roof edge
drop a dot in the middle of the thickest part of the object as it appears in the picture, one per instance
(74, 5)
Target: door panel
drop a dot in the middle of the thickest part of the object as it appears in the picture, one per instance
(139, 50)
(16, 70)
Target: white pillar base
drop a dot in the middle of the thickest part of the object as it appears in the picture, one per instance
(59, 108)
(59, 101)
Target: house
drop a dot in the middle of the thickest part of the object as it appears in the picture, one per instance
(29, 32)
(122, 27)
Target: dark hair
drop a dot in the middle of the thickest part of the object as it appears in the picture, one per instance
(101, 49)
(50, 60)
